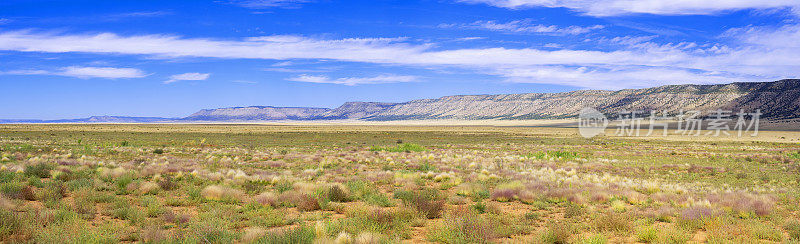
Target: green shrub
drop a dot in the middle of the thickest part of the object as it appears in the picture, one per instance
(558, 233)
(77, 184)
(337, 193)
(84, 205)
(76, 232)
(429, 202)
(366, 218)
(9, 223)
(52, 192)
(41, 170)
(793, 228)
(462, 225)
(612, 221)
(405, 147)
(378, 199)
(153, 208)
(297, 235)
(211, 230)
(573, 210)
(368, 193)
(647, 234)
(123, 210)
(259, 215)
(767, 232)
(594, 239)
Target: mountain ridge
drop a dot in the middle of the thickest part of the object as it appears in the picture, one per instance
(777, 100)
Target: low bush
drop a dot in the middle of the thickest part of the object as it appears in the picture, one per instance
(428, 202)
(613, 221)
(41, 170)
(222, 193)
(462, 225)
(367, 192)
(52, 192)
(297, 235)
(337, 193)
(405, 147)
(123, 210)
(303, 201)
(9, 223)
(153, 208)
(647, 234)
(267, 199)
(593, 239)
(366, 218)
(558, 233)
(211, 230)
(155, 234)
(793, 228)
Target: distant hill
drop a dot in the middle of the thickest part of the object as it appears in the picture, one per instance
(94, 119)
(256, 113)
(778, 100)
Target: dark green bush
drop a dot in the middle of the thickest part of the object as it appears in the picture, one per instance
(41, 170)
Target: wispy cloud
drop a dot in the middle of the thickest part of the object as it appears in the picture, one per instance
(471, 38)
(524, 26)
(658, 7)
(294, 70)
(144, 14)
(752, 56)
(84, 72)
(187, 76)
(102, 72)
(244, 82)
(4, 21)
(352, 81)
(263, 4)
(283, 64)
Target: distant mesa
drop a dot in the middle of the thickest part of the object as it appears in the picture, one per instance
(778, 100)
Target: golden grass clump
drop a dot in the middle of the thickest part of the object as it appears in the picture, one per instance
(216, 192)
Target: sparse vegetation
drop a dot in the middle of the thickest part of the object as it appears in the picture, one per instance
(250, 184)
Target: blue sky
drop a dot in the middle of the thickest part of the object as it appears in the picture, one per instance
(72, 59)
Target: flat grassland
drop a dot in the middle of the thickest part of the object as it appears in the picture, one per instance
(391, 183)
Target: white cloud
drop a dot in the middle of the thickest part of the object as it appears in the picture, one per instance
(524, 26)
(101, 72)
(4, 21)
(755, 52)
(471, 38)
(658, 7)
(787, 36)
(85, 72)
(244, 82)
(352, 81)
(146, 14)
(267, 47)
(262, 4)
(290, 70)
(283, 64)
(187, 76)
(27, 72)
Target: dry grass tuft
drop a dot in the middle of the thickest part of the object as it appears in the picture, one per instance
(223, 193)
(252, 234)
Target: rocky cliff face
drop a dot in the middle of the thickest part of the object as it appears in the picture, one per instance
(779, 100)
(356, 110)
(256, 113)
(776, 100)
